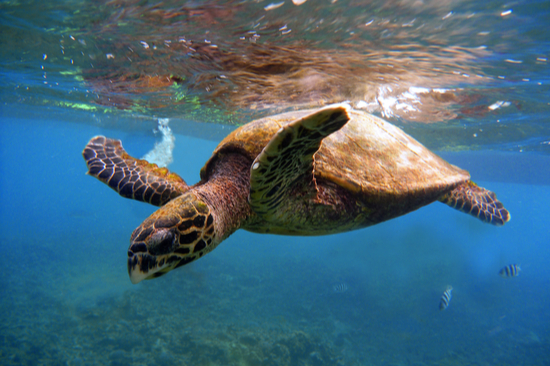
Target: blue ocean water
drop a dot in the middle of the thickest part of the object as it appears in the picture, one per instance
(259, 299)
(469, 80)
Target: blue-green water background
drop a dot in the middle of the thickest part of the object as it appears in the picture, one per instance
(257, 299)
(65, 296)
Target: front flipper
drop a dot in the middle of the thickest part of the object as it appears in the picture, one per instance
(477, 201)
(289, 157)
(130, 177)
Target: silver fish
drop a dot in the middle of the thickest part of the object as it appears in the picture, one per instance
(511, 270)
(445, 298)
(340, 288)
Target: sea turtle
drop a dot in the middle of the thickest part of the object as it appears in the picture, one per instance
(307, 172)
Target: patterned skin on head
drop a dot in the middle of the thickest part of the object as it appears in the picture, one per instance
(176, 234)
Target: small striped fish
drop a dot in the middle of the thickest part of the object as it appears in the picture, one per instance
(340, 288)
(445, 298)
(511, 270)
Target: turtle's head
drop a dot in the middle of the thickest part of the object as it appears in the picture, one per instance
(176, 234)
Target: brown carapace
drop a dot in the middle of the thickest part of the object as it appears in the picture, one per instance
(308, 172)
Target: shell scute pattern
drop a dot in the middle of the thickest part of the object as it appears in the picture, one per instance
(251, 138)
(370, 157)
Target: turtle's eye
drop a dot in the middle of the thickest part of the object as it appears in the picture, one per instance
(178, 233)
(161, 242)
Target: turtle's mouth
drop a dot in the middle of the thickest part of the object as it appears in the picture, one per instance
(151, 254)
(144, 266)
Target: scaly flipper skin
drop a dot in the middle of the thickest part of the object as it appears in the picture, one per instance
(130, 177)
(288, 157)
(477, 201)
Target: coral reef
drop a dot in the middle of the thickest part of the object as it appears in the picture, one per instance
(217, 314)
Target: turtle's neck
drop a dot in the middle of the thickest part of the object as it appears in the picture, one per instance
(226, 192)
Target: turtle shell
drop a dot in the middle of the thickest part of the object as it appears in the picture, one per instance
(367, 156)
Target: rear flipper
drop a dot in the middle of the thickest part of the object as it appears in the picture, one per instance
(477, 201)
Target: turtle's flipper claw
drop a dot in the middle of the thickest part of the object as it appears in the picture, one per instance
(477, 201)
(130, 177)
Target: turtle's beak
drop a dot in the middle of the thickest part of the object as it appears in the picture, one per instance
(146, 267)
(150, 256)
(141, 267)
(134, 268)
